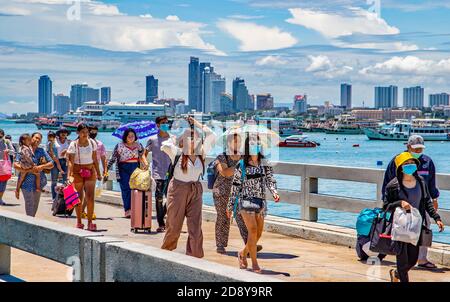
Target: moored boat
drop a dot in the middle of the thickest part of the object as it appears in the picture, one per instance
(298, 141)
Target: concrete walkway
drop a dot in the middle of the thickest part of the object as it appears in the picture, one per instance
(290, 259)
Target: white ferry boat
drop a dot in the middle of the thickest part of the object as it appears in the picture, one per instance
(429, 129)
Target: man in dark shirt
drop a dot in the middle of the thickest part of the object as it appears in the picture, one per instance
(427, 170)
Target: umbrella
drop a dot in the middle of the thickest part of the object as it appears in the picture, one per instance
(268, 138)
(143, 129)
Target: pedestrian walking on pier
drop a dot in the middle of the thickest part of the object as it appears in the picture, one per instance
(6, 148)
(160, 168)
(184, 196)
(126, 155)
(101, 158)
(248, 196)
(427, 170)
(407, 190)
(83, 172)
(61, 144)
(52, 151)
(41, 159)
(226, 164)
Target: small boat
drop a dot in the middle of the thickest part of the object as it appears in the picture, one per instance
(356, 145)
(298, 141)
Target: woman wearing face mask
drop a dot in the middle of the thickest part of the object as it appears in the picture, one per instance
(408, 190)
(184, 196)
(251, 193)
(126, 155)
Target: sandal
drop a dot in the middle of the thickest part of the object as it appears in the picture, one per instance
(393, 275)
(161, 229)
(242, 262)
(80, 226)
(92, 227)
(427, 265)
(257, 271)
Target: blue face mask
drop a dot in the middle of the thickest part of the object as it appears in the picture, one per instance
(416, 155)
(409, 169)
(254, 149)
(164, 127)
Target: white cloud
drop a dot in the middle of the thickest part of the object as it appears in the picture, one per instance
(245, 17)
(410, 65)
(172, 18)
(254, 37)
(333, 25)
(102, 26)
(271, 61)
(322, 67)
(318, 63)
(14, 11)
(355, 21)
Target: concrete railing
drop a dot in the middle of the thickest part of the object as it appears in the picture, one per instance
(98, 258)
(307, 195)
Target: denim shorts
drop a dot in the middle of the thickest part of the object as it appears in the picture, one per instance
(252, 205)
(3, 186)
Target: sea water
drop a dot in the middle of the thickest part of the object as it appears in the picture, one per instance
(336, 150)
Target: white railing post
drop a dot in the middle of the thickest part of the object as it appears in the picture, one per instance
(5, 259)
(310, 185)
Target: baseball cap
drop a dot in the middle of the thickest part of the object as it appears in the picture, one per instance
(416, 141)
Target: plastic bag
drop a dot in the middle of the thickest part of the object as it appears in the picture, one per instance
(98, 189)
(407, 225)
(140, 180)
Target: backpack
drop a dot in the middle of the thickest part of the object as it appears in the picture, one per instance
(365, 220)
(212, 173)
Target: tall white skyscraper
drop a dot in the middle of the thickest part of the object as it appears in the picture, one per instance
(413, 97)
(386, 97)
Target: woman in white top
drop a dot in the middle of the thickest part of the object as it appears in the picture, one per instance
(184, 196)
(84, 171)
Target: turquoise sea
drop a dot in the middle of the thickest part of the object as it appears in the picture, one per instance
(334, 150)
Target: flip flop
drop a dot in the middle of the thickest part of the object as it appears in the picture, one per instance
(427, 265)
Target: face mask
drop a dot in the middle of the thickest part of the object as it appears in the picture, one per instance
(409, 169)
(416, 155)
(93, 135)
(164, 127)
(254, 149)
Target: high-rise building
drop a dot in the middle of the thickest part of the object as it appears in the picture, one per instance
(194, 84)
(105, 95)
(92, 95)
(346, 96)
(61, 104)
(242, 101)
(151, 88)
(226, 103)
(386, 97)
(413, 97)
(213, 86)
(264, 101)
(439, 99)
(300, 104)
(82, 93)
(45, 95)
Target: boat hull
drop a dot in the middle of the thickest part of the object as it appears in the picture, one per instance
(297, 145)
(373, 134)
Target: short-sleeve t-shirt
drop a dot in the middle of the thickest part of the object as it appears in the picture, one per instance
(83, 155)
(160, 160)
(414, 195)
(101, 150)
(61, 147)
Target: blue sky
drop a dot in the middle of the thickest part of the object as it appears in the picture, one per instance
(282, 47)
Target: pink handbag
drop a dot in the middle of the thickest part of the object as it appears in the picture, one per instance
(71, 197)
(5, 168)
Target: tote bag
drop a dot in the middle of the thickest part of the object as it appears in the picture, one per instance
(381, 238)
(5, 168)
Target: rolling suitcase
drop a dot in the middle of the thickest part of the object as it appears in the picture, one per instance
(141, 211)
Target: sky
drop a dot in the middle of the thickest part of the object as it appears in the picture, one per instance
(280, 47)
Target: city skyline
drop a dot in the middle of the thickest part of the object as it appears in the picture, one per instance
(288, 52)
